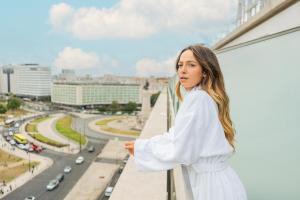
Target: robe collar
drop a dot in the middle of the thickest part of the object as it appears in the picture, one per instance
(198, 87)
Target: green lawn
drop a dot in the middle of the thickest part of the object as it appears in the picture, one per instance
(31, 128)
(40, 119)
(39, 137)
(63, 126)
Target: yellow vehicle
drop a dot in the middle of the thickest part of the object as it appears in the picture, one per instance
(19, 138)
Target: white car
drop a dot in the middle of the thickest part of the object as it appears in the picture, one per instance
(12, 142)
(79, 160)
(10, 133)
(23, 146)
(30, 198)
(67, 169)
(108, 191)
(16, 125)
(52, 184)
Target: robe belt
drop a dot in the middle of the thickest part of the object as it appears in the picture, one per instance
(210, 167)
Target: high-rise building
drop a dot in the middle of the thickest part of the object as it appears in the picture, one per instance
(25, 80)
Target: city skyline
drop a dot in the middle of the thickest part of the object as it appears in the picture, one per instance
(123, 37)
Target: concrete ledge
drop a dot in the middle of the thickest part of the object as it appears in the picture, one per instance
(135, 185)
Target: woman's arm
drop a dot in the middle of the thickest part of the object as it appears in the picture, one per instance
(182, 144)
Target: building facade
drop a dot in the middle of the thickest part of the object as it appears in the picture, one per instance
(87, 94)
(25, 80)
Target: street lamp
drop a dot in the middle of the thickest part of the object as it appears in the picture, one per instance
(79, 142)
(29, 160)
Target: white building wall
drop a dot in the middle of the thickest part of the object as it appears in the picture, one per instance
(26, 80)
(32, 80)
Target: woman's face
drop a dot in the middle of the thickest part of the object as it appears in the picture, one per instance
(189, 70)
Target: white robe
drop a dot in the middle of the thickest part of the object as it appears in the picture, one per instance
(197, 142)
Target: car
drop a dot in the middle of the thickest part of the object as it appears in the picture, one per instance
(52, 184)
(23, 146)
(60, 177)
(17, 125)
(79, 160)
(5, 134)
(125, 161)
(10, 133)
(30, 198)
(8, 138)
(12, 142)
(67, 169)
(36, 148)
(91, 149)
(121, 168)
(108, 191)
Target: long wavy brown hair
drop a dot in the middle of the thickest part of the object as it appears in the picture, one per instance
(213, 84)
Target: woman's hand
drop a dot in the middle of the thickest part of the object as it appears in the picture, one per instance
(130, 147)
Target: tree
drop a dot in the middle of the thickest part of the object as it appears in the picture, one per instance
(13, 103)
(2, 109)
(153, 98)
(102, 108)
(130, 107)
(114, 107)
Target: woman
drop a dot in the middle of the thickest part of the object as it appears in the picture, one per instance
(202, 138)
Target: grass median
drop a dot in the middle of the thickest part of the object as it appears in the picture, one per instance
(41, 138)
(31, 129)
(63, 126)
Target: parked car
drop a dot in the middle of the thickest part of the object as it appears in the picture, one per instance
(60, 177)
(8, 138)
(36, 148)
(30, 198)
(23, 146)
(12, 142)
(79, 160)
(108, 191)
(5, 134)
(10, 133)
(17, 125)
(67, 169)
(91, 149)
(52, 184)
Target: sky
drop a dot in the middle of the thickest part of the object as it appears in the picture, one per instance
(119, 37)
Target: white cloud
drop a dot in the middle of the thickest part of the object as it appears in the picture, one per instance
(150, 67)
(75, 58)
(60, 16)
(138, 19)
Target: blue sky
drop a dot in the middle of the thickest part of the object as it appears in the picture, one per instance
(125, 37)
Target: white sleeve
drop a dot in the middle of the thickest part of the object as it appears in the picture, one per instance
(180, 145)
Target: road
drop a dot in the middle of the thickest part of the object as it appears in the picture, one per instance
(37, 186)
(81, 125)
